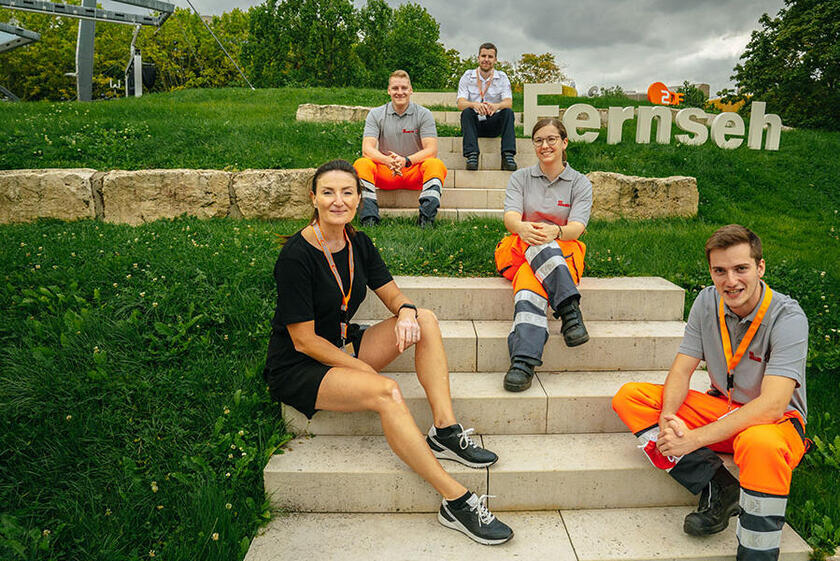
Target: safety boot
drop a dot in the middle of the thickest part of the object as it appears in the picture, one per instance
(718, 503)
(520, 373)
(574, 332)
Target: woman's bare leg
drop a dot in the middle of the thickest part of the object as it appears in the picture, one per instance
(380, 349)
(347, 389)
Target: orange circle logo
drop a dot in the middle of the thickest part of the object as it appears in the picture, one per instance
(659, 93)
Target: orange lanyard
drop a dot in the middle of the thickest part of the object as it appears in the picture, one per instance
(482, 91)
(733, 360)
(345, 298)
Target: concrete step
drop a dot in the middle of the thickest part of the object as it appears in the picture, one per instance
(556, 403)
(450, 198)
(618, 298)
(613, 345)
(446, 213)
(479, 179)
(638, 534)
(534, 472)
(481, 346)
(488, 162)
(524, 146)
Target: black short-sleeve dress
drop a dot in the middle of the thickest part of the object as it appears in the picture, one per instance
(306, 291)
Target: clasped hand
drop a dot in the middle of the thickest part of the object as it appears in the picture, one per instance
(486, 108)
(407, 329)
(537, 233)
(396, 164)
(675, 438)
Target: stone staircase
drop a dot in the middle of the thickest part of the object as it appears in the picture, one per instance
(570, 480)
(466, 194)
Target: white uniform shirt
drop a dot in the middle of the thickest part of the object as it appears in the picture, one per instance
(499, 88)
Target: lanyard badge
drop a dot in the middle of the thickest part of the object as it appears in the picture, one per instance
(482, 91)
(345, 297)
(733, 360)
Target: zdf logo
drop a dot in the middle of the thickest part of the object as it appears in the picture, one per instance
(660, 94)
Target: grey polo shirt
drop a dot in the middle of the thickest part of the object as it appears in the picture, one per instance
(568, 198)
(400, 134)
(779, 347)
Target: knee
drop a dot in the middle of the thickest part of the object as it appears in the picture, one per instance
(386, 395)
(468, 113)
(364, 165)
(433, 167)
(761, 443)
(427, 318)
(628, 392)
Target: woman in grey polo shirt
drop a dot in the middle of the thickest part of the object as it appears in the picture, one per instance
(547, 208)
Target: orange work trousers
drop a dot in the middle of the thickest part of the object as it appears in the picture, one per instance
(765, 454)
(541, 275)
(427, 177)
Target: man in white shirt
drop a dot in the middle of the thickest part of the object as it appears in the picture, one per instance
(486, 101)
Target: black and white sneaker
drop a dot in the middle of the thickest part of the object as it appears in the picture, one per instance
(456, 444)
(475, 520)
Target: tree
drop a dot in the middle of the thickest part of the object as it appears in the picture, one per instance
(302, 42)
(412, 44)
(375, 19)
(793, 63)
(692, 96)
(538, 69)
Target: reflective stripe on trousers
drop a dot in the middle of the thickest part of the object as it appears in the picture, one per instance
(551, 270)
(430, 197)
(759, 528)
(529, 332)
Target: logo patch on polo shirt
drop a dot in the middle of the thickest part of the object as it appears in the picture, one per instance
(561, 203)
(406, 131)
(755, 358)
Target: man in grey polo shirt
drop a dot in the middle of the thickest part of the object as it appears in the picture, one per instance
(755, 344)
(399, 149)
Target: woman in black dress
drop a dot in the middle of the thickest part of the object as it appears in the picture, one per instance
(322, 275)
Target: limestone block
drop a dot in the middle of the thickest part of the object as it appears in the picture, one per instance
(27, 194)
(623, 196)
(273, 193)
(331, 113)
(135, 197)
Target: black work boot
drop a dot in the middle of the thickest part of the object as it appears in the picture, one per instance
(718, 502)
(520, 373)
(472, 161)
(574, 332)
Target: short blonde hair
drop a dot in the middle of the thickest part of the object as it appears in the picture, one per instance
(399, 74)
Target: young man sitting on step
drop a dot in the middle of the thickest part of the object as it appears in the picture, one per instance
(399, 149)
(755, 342)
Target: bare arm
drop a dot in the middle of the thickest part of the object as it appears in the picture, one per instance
(506, 103)
(676, 385)
(306, 341)
(407, 329)
(768, 407)
(370, 149)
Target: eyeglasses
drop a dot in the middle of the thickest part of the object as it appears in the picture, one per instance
(550, 140)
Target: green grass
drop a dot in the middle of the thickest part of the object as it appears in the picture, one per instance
(146, 359)
(225, 128)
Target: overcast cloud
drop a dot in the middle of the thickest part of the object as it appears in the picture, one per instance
(599, 42)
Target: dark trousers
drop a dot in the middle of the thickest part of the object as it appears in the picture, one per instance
(499, 123)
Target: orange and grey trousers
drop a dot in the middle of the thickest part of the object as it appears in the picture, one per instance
(427, 177)
(765, 456)
(542, 275)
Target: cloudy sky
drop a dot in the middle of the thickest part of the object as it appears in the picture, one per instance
(630, 43)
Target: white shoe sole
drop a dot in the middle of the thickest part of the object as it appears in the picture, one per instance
(455, 525)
